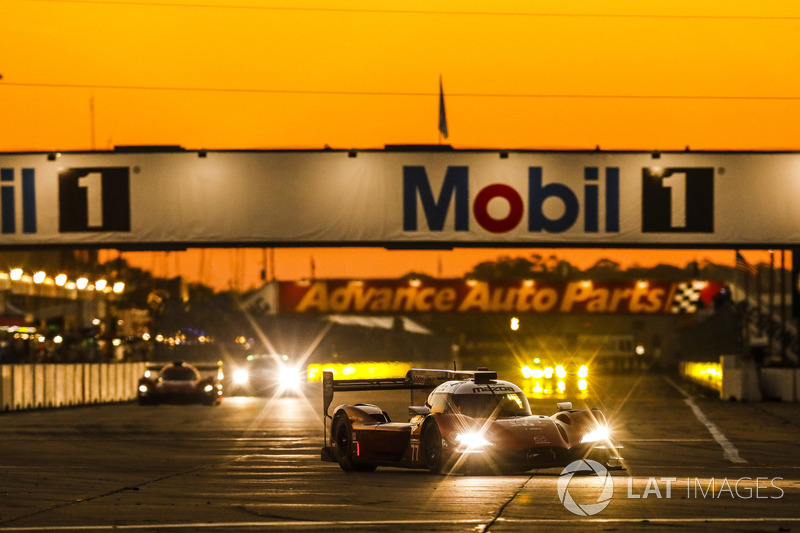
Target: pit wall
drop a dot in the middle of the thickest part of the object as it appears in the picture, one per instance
(63, 385)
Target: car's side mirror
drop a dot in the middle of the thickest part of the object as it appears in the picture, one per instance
(418, 410)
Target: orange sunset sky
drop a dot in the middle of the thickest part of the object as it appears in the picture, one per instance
(263, 74)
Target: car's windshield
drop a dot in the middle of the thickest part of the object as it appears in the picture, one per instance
(492, 405)
(179, 373)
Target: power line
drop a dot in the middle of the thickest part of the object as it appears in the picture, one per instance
(396, 93)
(139, 3)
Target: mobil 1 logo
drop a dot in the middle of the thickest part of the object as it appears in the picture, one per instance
(677, 200)
(94, 199)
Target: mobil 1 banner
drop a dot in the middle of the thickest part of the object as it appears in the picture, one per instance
(409, 198)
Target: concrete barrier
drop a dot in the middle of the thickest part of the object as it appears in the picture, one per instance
(6, 388)
(23, 386)
(740, 379)
(42, 386)
(50, 385)
(797, 383)
(38, 386)
(779, 384)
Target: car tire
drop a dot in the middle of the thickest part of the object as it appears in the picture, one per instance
(342, 436)
(435, 457)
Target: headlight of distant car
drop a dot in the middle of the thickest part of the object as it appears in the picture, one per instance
(289, 378)
(208, 388)
(240, 376)
(599, 433)
(471, 442)
(142, 388)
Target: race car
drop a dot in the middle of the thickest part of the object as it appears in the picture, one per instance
(266, 374)
(180, 382)
(471, 421)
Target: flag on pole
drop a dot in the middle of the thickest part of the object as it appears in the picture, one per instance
(744, 266)
(442, 114)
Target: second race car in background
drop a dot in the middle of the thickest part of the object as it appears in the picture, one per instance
(181, 382)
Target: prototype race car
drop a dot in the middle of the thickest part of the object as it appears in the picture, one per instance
(180, 382)
(470, 421)
(267, 374)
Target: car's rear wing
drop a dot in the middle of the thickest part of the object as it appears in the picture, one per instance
(420, 381)
(201, 367)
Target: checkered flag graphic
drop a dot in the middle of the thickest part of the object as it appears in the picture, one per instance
(687, 297)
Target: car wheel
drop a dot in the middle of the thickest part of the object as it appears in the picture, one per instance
(342, 435)
(435, 458)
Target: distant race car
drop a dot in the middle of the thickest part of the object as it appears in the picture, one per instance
(266, 374)
(180, 382)
(470, 421)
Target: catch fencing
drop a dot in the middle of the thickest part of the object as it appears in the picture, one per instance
(40, 386)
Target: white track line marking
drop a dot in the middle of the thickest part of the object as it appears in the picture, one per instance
(731, 453)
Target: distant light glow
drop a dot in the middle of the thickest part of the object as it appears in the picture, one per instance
(362, 370)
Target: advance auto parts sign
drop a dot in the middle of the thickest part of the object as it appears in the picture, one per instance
(464, 296)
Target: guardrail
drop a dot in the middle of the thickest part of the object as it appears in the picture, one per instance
(42, 386)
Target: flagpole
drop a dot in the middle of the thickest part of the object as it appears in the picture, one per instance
(746, 276)
(442, 114)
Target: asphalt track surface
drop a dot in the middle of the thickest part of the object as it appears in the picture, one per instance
(252, 464)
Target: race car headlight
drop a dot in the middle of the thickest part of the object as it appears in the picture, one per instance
(599, 433)
(240, 376)
(142, 388)
(208, 388)
(289, 378)
(471, 442)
